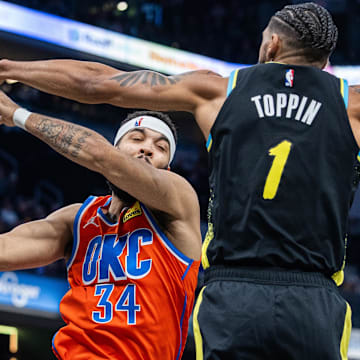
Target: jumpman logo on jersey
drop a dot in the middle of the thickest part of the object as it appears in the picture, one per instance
(91, 222)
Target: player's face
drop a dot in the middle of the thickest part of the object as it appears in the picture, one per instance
(264, 46)
(146, 144)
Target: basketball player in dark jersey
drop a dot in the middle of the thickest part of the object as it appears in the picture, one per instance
(283, 138)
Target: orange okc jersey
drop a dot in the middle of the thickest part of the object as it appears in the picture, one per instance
(131, 292)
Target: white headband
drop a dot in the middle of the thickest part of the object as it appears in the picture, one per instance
(151, 123)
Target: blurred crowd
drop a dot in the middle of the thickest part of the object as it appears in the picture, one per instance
(228, 30)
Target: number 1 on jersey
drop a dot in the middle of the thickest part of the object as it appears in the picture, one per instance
(281, 153)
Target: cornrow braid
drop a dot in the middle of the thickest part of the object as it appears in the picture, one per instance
(312, 23)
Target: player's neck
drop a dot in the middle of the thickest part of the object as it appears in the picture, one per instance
(291, 58)
(115, 208)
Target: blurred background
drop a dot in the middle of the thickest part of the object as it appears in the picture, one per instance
(169, 36)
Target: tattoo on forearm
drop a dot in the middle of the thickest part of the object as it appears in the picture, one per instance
(68, 139)
(148, 77)
(80, 142)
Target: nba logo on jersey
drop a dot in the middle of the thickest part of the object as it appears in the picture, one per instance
(289, 78)
(138, 122)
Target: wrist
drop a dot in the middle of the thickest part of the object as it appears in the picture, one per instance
(5, 67)
(20, 116)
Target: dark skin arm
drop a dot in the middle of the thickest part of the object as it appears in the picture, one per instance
(200, 92)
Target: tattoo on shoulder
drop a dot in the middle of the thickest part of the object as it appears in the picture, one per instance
(149, 78)
(66, 138)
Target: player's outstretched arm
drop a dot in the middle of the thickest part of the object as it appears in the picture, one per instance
(96, 83)
(67, 78)
(38, 243)
(157, 188)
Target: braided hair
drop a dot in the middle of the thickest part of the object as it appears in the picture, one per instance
(308, 26)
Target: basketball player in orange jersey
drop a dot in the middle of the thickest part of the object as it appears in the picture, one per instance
(132, 257)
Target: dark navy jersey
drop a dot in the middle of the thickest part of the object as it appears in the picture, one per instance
(282, 157)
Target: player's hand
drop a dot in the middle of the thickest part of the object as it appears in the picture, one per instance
(7, 109)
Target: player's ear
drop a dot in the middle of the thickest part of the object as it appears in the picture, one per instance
(273, 47)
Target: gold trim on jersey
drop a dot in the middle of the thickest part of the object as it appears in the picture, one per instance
(208, 237)
(342, 87)
(276, 62)
(232, 82)
(209, 143)
(196, 327)
(345, 338)
(235, 79)
(209, 234)
(338, 277)
(344, 90)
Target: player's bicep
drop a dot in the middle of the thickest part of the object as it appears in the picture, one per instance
(155, 91)
(37, 243)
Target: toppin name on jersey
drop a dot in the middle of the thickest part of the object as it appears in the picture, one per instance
(290, 106)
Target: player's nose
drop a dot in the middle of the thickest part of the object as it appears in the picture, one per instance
(146, 150)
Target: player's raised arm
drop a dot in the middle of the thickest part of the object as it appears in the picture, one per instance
(154, 186)
(95, 83)
(38, 243)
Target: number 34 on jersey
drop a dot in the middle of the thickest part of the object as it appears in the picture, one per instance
(103, 259)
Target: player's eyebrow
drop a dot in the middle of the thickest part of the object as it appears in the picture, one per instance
(139, 130)
(162, 137)
(142, 131)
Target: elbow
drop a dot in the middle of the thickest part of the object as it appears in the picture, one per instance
(91, 90)
(100, 91)
(95, 89)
